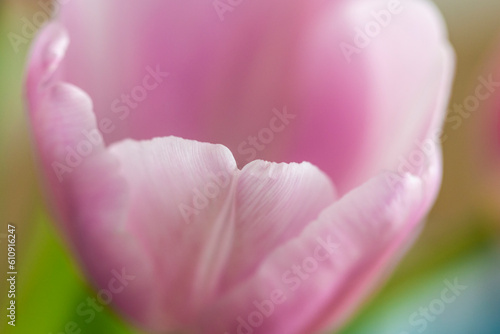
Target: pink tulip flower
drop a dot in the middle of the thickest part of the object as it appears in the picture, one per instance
(240, 166)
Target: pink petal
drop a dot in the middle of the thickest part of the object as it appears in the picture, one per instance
(274, 203)
(225, 78)
(46, 54)
(368, 230)
(205, 224)
(214, 66)
(87, 196)
(377, 107)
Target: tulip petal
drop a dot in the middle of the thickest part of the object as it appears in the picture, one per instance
(220, 222)
(402, 73)
(317, 279)
(185, 233)
(274, 203)
(86, 195)
(46, 54)
(60, 113)
(227, 79)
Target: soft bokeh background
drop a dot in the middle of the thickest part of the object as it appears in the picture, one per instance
(460, 242)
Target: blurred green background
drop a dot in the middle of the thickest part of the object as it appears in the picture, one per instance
(460, 242)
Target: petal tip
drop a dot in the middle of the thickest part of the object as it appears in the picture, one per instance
(46, 54)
